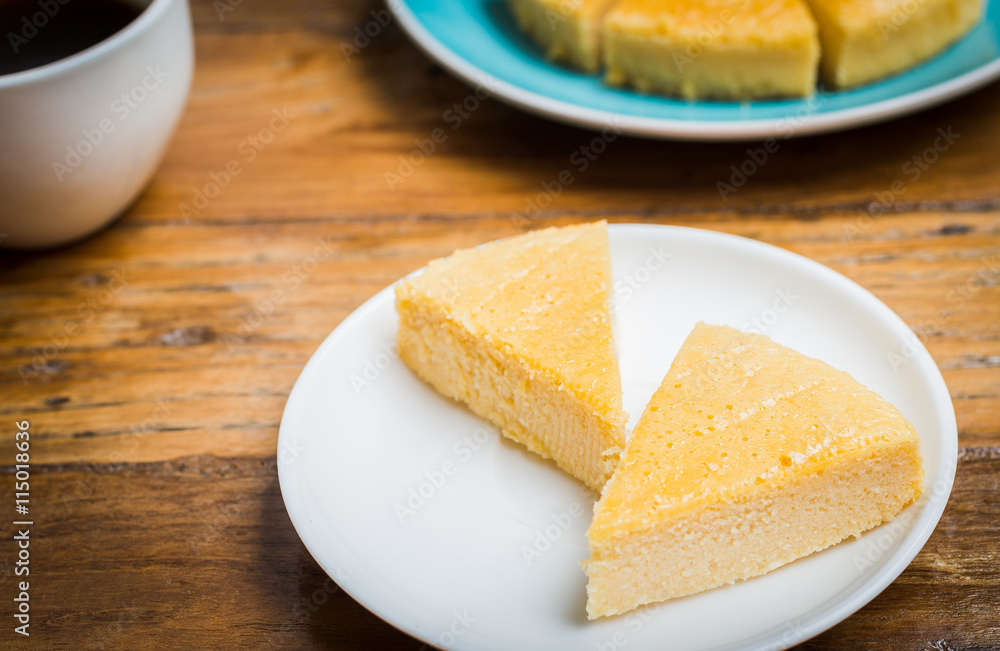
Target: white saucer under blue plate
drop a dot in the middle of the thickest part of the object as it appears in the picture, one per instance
(479, 42)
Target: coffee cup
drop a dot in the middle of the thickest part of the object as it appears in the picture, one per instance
(82, 136)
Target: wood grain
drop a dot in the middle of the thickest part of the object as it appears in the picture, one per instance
(224, 568)
(154, 363)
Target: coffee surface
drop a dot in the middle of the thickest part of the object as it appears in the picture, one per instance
(37, 32)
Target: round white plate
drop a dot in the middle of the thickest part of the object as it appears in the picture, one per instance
(478, 41)
(466, 541)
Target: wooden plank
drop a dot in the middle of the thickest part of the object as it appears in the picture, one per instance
(947, 599)
(155, 415)
(190, 319)
(199, 551)
(357, 115)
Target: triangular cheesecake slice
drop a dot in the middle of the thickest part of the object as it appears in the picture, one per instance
(749, 456)
(520, 330)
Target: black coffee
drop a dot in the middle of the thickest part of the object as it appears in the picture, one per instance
(36, 32)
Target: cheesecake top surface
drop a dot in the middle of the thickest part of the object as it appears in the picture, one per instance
(541, 297)
(736, 416)
(556, 10)
(865, 14)
(716, 20)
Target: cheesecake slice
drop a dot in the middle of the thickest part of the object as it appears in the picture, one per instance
(568, 30)
(520, 331)
(720, 49)
(749, 456)
(865, 40)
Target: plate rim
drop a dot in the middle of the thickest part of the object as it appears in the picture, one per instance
(845, 604)
(689, 130)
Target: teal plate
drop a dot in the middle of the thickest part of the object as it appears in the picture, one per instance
(478, 41)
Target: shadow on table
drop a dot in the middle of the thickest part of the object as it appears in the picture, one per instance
(314, 611)
(841, 171)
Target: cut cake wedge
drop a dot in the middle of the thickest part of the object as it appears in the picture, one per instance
(749, 456)
(866, 40)
(721, 49)
(568, 30)
(520, 331)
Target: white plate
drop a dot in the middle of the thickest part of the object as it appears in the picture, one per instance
(360, 432)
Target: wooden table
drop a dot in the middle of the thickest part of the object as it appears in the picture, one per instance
(157, 513)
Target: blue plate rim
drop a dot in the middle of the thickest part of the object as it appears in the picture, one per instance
(687, 129)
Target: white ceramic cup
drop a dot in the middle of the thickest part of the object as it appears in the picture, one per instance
(81, 137)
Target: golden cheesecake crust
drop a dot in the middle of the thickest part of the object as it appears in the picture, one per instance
(727, 49)
(866, 40)
(568, 30)
(520, 331)
(744, 49)
(748, 456)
